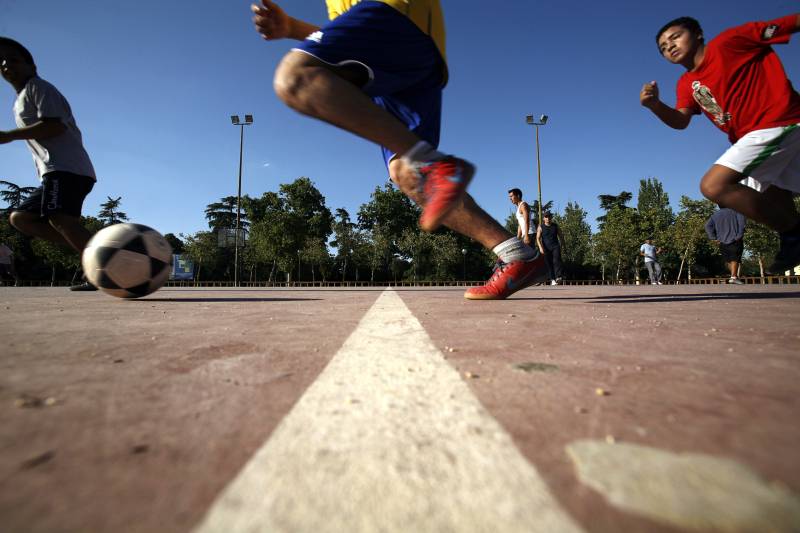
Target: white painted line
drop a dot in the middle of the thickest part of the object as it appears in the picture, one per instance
(388, 438)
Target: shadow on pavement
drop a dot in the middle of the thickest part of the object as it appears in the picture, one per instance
(223, 300)
(646, 298)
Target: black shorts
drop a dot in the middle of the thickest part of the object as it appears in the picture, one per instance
(60, 192)
(732, 251)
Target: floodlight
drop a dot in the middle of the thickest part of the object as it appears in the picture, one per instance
(529, 119)
(248, 119)
(543, 119)
(235, 120)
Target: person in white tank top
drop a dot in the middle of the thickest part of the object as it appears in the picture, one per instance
(526, 225)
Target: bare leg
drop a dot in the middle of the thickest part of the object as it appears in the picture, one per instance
(332, 94)
(733, 266)
(33, 225)
(60, 229)
(773, 207)
(71, 230)
(467, 218)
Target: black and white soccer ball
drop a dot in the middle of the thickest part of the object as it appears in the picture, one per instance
(127, 260)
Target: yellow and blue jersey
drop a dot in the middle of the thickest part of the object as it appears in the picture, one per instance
(425, 14)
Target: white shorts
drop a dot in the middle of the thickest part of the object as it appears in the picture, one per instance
(767, 157)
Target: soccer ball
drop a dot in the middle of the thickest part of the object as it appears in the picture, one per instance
(127, 260)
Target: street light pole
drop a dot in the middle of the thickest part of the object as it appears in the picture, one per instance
(541, 122)
(248, 119)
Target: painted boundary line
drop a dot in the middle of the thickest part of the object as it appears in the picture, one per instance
(388, 438)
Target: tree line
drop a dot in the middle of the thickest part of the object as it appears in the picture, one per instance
(290, 234)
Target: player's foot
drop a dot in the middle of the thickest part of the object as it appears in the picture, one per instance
(508, 278)
(788, 255)
(553, 282)
(735, 281)
(82, 287)
(443, 183)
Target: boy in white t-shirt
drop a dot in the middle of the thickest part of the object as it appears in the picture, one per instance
(45, 122)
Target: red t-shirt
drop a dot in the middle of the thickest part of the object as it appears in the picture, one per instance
(741, 85)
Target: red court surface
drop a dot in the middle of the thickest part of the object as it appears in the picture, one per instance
(135, 415)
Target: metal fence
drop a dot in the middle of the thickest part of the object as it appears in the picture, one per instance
(752, 280)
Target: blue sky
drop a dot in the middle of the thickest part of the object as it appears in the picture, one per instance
(152, 84)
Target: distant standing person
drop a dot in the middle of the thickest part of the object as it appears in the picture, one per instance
(551, 243)
(7, 263)
(726, 227)
(45, 122)
(526, 227)
(650, 253)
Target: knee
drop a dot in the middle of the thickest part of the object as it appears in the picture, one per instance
(291, 80)
(19, 219)
(712, 188)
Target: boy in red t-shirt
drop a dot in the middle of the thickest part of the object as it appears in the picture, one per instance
(738, 81)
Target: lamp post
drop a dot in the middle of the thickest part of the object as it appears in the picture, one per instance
(298, 267)
(248, 119)
(541, 122)
(464, 263)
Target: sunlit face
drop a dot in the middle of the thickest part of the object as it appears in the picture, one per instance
(15, 69)
(678, 45)
(514, 198)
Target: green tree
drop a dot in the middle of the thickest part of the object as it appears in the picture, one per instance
(689, 235)
(345, 239)
(390, 209)
(222, 214)
(577, 234)
(202, 249)
(303, 201)
(656, 216)
(109, 211)
(14, 195)
(609, 201)
(174, 242)
(762, 243)
(445, 254)
(617, 241)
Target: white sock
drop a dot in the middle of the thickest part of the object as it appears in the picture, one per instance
(514, 249)
(421, 152)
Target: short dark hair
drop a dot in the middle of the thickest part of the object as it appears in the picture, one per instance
(515, 191)
(11, 43)
(547, 214)
(685, 22)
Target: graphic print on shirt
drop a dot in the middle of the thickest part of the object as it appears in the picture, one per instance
(702, 95)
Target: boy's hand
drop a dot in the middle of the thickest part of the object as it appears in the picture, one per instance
(271, 21)
(649, 95)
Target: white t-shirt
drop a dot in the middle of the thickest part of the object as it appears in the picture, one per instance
(521, 219)
(649, 252)
(64, 152)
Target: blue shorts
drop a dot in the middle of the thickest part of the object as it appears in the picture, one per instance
(405, 70)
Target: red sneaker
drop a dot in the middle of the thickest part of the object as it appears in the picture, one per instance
(508, 278)
(443, 183)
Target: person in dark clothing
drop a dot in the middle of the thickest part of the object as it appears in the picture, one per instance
(551, 243)
(726, 227)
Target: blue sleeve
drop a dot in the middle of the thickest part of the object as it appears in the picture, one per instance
(741, 223)
(712, 234)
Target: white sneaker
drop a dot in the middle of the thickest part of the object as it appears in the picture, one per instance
(553, 282)
(735, 281)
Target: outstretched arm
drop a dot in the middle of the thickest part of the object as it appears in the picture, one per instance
(45, 128)
(674, 118)
(273, 23)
